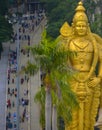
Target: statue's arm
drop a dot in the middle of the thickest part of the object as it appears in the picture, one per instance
(100, 61)
(100, 70)
(99, 44)
(98, 38)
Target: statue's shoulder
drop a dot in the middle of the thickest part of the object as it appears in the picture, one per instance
(98, 39)
(99, 44)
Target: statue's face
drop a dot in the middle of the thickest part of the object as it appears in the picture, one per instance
(81, 28)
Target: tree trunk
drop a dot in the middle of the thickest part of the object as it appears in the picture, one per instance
(48, 110)
(54, 118)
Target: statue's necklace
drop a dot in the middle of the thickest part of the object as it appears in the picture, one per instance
(81, 44)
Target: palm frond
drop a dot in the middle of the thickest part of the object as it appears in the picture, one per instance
(31, 68)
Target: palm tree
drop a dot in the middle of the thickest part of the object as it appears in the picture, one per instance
(51, 57)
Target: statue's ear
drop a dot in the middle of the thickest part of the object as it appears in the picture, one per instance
(66, 30)
(73, 25)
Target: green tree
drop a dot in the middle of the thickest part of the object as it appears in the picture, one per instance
(51, 57)
(3, 7)
(59, 11)
(5, 31)
(5, 28)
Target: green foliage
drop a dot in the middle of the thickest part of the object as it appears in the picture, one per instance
(5, 30)
(96, 26)
(90, 6)
(3, 7)
(62, 95)
(40, 98)
(52, 57)
(48, 54)
(59, 11)
(30, 69)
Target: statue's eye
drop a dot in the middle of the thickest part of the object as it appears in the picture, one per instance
(78, 26)
(84, 26)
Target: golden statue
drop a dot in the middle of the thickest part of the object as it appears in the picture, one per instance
(85, 82)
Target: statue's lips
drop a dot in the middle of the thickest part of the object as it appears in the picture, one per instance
(81, 32)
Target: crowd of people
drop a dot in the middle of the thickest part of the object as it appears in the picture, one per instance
(26, 27)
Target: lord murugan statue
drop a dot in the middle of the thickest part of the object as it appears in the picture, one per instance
(86, 83)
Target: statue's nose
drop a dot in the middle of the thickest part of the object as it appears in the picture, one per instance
(81, 27)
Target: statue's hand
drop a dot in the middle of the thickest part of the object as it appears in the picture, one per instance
(94, 82)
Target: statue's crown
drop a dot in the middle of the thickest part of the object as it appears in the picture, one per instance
(80, 13)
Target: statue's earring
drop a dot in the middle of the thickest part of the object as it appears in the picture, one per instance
(73, 29)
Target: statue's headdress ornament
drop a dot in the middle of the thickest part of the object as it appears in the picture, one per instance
(80, 13)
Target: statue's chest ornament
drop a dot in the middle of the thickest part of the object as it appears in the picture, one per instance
(81, 44)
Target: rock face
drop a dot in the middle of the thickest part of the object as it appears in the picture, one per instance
(94, 13)
(98, 6)
(95, 5)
